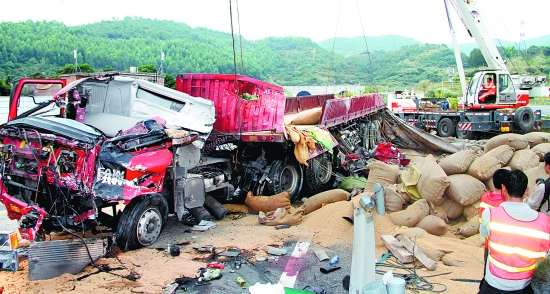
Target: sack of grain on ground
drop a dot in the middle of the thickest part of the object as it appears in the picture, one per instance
(524, 159)
(472, 210)
(465, 189)
(267, 203)
(411, 215)
(453, 209)
(537, 138)
(470, 228)
(458, 163)
(483, 167)
(382, 173)
(541, 149)
(409, 179)
(281, 216)
(533, 174)
(433, 180)
(394, 199)
(433, 225)
(307, 117)
(516, 141)
(316, 201)
(439, 212)
(503, 153)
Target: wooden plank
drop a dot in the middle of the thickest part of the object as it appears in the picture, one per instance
(397, 249)
(418, 253)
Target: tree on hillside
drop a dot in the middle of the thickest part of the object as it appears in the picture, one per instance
(476, 58)
(170, 81)
(108, 68)
(37, 75)
(147, 68)
(5, 86)
(69, 68)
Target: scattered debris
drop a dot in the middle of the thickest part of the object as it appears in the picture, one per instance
(276, 251)
(232, 252)
(397, 249)
(321, 255)
(204, 225)
(53, 258)
(418, 253)
(9, 260)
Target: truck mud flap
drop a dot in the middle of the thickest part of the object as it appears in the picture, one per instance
(50, 259)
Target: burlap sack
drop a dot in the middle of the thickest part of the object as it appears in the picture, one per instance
(433, 225)
(382, 173)
(541, 149)
(411, 215)
(316, 201)
(458, 163)
(537, 138)
(503, 153)
(307, 117)
(483, 167)
(465, 189)
(533, 174)
(517, 141)
(439, 212)
(472, 210)
(470, 228)
(453, 209)
(267, 203)
(394, 199)
(524, 159)
(281, 216)
(409, 179)
(433, 180)
(349, 183)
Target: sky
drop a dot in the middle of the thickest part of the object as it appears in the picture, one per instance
(423, 20)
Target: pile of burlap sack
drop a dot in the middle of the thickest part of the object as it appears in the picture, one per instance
(430, 194)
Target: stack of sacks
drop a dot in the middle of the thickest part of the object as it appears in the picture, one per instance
(536, 138)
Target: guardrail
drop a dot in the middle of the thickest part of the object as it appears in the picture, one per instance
(540, 101)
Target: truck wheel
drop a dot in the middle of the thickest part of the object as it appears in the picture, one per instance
(141, 222)
(285, 176)
(319, 173)
(468, 135)
(524, 118)
(446, 128)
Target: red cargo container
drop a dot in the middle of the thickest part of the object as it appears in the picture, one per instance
(233, 113)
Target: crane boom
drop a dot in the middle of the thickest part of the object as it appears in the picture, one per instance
(474, 23)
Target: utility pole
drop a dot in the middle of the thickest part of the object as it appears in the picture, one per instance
(75, 61)
(522, 38)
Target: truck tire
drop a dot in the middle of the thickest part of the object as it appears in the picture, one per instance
(141, 222)
(468, 135)
(319, 173)
(285, 175)
(446, 128)
(524, 118)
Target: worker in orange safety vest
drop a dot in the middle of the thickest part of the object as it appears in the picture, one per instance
(487, 90)
(492, 199)
(519, 237)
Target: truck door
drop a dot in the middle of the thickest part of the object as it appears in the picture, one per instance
(505, 89)
(29, 93)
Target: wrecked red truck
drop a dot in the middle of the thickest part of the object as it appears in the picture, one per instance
(69, 161)
(120, 154)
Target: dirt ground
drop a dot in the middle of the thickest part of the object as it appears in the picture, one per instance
(325, 227)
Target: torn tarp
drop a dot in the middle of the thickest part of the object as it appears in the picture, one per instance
(407, 136)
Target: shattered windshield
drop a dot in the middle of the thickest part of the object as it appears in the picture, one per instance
(33, 93)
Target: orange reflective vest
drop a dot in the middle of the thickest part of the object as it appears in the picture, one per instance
(489, 200)
(515, 246)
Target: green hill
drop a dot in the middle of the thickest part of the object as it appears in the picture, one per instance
(356, 45)
(393, 62)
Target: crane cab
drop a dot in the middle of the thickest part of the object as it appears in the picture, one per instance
(494, 90)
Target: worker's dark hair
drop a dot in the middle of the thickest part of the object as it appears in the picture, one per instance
(540, 281)
(547, 158)
(498, 177)
(515, 182)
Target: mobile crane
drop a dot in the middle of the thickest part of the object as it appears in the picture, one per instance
(501, 108)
